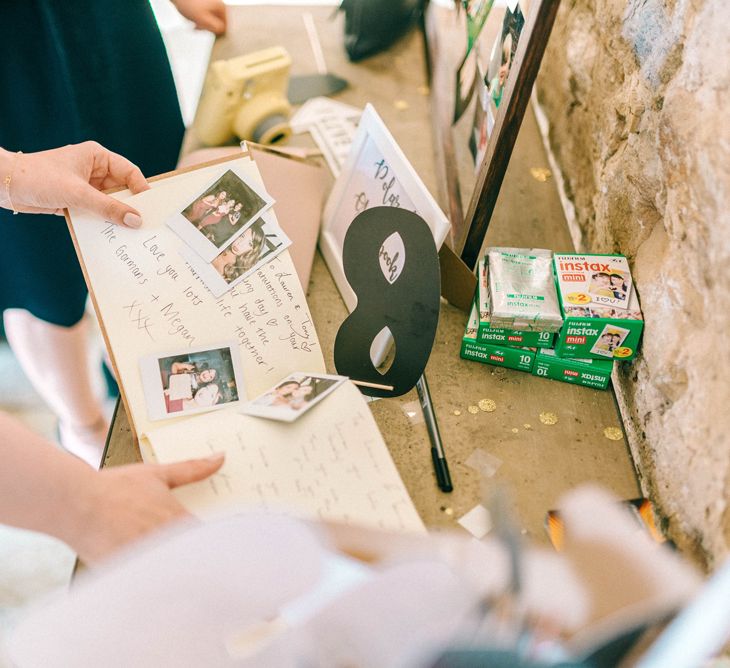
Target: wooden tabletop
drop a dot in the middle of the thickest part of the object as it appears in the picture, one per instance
(537, 461)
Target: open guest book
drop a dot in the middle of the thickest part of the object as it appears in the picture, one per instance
(163, 325)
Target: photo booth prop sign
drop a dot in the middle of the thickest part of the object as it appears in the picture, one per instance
(391, 263)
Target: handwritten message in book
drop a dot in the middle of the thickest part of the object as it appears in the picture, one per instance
(151, 301)
(330, 464)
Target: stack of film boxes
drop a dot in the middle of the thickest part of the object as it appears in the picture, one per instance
(563, 316)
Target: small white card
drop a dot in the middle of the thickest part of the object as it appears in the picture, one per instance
(193, 380)
(218, 215)
(293, 396)
(258, 244)
(478, 521)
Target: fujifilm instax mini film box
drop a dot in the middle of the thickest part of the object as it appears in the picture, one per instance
(520, 359)
(601, 312)
(496, 336)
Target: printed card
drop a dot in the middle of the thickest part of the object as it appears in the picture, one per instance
(195, 380)
(220, 214)
(293, 396)
(258, 244)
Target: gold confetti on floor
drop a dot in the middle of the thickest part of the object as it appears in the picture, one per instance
(401, 105)
(613, 433)
(487, 405)
(541, 174)
(449, 511)
(514, 430)
(527, 426)
(548, 418)
(473, 409)
(457, 412)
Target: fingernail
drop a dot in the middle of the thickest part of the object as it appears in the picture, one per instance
(215, 458)
(132, 220)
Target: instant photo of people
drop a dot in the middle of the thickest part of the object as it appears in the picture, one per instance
(609, 340)
(219, 214)
(258, 244)
(612, 284)
(492, 71)
(191, 381)
(293, 396)
(503, 54)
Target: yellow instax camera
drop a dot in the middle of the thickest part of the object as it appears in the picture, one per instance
(246, 97)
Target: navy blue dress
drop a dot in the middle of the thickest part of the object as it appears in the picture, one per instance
(73, 70)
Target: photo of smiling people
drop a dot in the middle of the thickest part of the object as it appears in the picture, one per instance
(293, 396)
(609, 340)
(619, 285)
(219, 214)
(194, 381)
(612, 286)
(503, 55)
(260, 243)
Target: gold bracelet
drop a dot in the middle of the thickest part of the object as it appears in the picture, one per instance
(8, 180)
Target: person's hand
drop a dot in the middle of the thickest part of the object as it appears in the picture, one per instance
(205, 14)
(74, 176)
(122, 504)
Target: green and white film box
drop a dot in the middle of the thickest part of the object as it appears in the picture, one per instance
(521, 359)
(591, 373)
(522, 289)
(599, 305)
(509, 337)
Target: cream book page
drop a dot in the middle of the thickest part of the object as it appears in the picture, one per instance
(149, 300)
(331, 464)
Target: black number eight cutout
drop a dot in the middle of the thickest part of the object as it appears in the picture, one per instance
(408, 307)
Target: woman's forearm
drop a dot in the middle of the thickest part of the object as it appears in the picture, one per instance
(41, 487)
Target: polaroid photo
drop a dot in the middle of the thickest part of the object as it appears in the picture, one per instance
(293, 396)
(258, 244)
(219, 214)
(503, 55)
(192, 381)
(610, 338)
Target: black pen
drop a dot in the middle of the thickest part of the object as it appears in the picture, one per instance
(440, 466)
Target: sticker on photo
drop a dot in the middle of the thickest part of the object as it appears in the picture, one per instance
(259, 243)
(195, 380)
(219, 214)
(293, 396)
(609, 339)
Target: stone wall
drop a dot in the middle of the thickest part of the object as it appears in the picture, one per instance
(637, 94)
